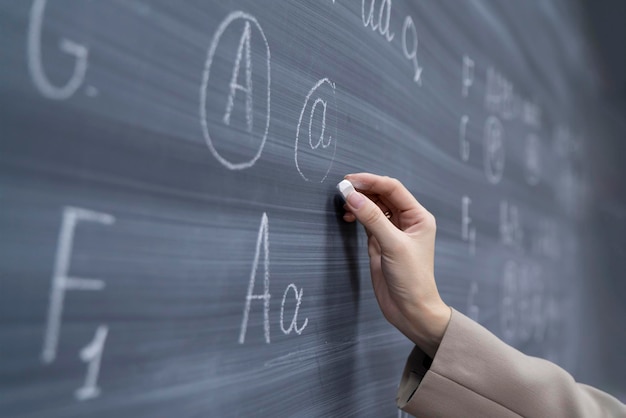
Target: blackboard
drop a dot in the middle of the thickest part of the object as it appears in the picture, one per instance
(171, 239)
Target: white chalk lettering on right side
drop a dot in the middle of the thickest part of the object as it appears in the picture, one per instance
(409, 32)
(493, 149)
(511, 232)
(467, 76)
(533, 159)
(464, 146)
(523, 309)
(465, 219)
(467, 233)
(35, 65)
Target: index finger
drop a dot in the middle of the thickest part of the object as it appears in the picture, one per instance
(389, 188)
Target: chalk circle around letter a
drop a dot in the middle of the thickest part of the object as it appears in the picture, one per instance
(238, 98)
(316, 134)
(493, 147)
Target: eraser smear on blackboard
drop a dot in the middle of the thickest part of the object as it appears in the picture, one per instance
(345, 188)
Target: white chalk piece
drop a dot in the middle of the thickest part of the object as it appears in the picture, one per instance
(345, 188)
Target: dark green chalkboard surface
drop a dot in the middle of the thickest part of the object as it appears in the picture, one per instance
(170, 240)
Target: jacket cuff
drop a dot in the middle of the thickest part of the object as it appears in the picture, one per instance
(426, 387)
(415, 369)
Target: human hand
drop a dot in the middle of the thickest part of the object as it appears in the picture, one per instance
(402, 251)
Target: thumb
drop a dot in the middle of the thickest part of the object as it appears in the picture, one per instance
(370, 215)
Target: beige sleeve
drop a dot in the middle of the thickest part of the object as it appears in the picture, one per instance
(475, 374)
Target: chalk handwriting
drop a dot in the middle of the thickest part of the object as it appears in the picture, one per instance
(325, 143)
(465, 219)
(61, 279)
(464, 145)
(378, 21)
(243, 50)
(493, 149)
(524, 309)
(409, 32)
(251, 25)
(472, 241)
(501, 99)
(262, 244)
(467, 233)
(325, 106)
(35, 64)
(92, 354)
(294, 319)
(499, 95)
(467, 75)
(511, 232)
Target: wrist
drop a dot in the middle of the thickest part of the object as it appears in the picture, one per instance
(429, 326)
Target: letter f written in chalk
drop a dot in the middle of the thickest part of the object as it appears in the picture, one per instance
(61, 280)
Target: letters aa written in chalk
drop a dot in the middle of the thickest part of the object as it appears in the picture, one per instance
(263, 245)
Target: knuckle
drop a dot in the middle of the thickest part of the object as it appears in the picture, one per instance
(394, 182)
(431, 221)
(372, 216)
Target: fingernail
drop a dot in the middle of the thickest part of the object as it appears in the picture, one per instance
(345, 188)
(356, 199)
(357, 184)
